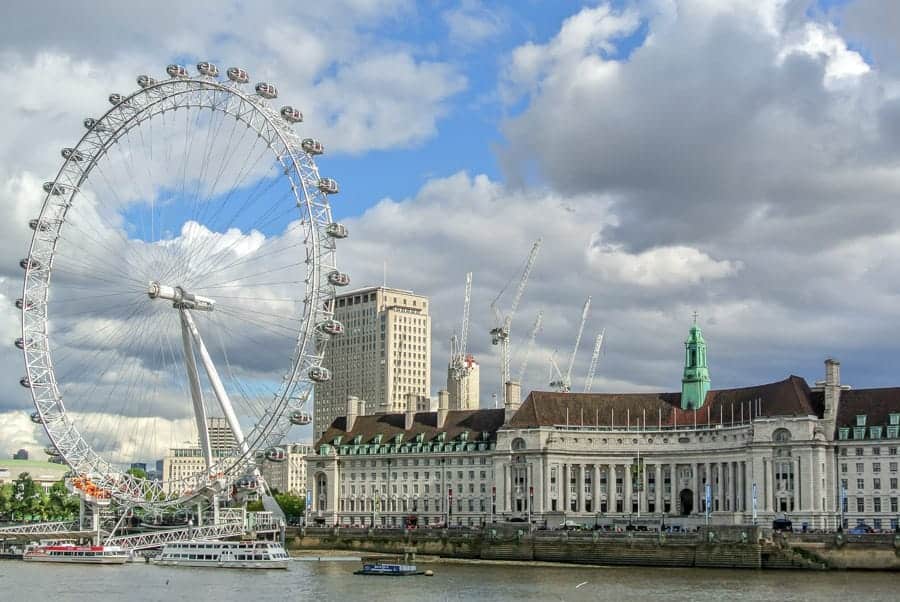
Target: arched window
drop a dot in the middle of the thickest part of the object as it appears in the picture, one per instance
(518, 444)
(781, 436)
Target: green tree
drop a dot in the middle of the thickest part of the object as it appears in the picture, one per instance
(26, 498)
(137, 472)
(7, 491)
(291, 505)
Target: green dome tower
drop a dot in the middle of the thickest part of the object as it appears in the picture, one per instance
(695, 382)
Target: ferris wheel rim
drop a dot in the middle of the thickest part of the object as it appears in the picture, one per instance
(59, 425)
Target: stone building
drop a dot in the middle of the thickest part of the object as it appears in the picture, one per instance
(383, 355)
(730, 456)
(288, 476)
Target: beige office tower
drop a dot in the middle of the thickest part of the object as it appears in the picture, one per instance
(221, 438)
(463, 387)
(384, 354)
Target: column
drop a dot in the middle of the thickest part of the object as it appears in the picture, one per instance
(697, 492)
(595, 489)
(707, 475)
(770, 494)
(564, 472)
(741, 496)
(611, 488)
(811, 489)
(627, 489)
(659, 488)
(545, 485)
(796, 463)
(673, 489)
(507, 488)
(580, 496)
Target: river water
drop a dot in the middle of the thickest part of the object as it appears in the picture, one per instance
(311, 580)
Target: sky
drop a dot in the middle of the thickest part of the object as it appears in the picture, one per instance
(739, 159)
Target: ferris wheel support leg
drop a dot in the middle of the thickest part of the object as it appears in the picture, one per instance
(196, 394)
(216, 382)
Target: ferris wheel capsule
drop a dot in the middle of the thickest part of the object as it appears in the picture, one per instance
(25, 382)
(247, 484)
(145, 81)
(21, 304)
(299, 418)
(328, 186)
(36, 418)
(36, 224)
(54, 188)
(267, 90)
(275, 454)
(93, 124)
(338, 278)
(73, 154)
(177, 71)
(319, 374)
(51, 451)
(116, 99)
(237, 75)
(291, 115)
(312, 146)
(337, 230)
(30, 264)
(21, 342)
(332, 327)
(208, 69)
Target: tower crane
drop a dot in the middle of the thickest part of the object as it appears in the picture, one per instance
(458, 364)
(595, 357)
(538, 323)
(500, 332)
(563, 383)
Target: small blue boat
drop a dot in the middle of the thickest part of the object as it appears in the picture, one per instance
(388, 569)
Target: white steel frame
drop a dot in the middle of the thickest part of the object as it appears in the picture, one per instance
(298, 166)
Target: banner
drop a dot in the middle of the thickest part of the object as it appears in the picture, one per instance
(708, 498)
(308, 499)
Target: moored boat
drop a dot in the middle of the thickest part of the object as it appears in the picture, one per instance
(69, 552)
(387, 569)
(223, 554)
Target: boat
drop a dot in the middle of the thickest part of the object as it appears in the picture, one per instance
(223, 554)
(70, 552)
(381, 567)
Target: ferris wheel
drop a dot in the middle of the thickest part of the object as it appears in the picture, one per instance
(191, 247)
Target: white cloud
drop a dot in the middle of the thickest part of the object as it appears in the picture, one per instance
(661, 267)
(471, 23)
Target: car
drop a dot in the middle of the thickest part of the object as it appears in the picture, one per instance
(517, 519)
(861, 530)
(782, 524)
(570, 525)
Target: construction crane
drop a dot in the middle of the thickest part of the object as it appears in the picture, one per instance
(595, 357)
(500, 332)
(458, 365)
(538, 323)
(563, 382)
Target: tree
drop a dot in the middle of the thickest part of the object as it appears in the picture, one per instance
(291, 505)
(137, 472)
(7, 491)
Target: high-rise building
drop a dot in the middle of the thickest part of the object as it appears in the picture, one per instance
(463, 385)
(383, 355)
(186, 461)
(220, 436)
(22, 454)
(288, 476)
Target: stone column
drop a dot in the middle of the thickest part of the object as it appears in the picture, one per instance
(797, 488)
(811, 489)
(673, 489)
(696, 469)
(507, 486)
(564, 471)
(707, 475)
(545, 484)
(770, 495)
(595, 489)
(580, 496)
(742, 485)
(611, 488)
(627, 489)
(659, 488)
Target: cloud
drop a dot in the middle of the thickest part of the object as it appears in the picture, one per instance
(471, 23)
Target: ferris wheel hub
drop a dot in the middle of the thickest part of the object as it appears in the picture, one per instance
(180, 298)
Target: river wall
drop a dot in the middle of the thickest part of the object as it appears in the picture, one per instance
(713, 547)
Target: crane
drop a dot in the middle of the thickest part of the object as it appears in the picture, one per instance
(563, 383)
(500, 332)
(538, 323)
(458, 365)
(595, 357)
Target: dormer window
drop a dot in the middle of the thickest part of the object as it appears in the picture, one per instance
(420, 437)
(357, 440)
(859, 432)
(844, 433)
(464, 436)
(377, 439)
(860, 420)
(894, 419)
(874, 432)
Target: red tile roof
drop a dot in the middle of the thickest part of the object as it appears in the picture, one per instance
(472, 422)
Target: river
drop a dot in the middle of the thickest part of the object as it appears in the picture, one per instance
(311, 580)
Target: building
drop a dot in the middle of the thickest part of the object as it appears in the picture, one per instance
(44, 474)
(22, 454)
(288, 476)
(464, 385)
(383, 354)
(184, 462)
(823, 455)
(142, 466)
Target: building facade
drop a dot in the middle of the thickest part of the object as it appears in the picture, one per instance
(183, 462)
(464, 385)
(383, 354)
(823, 456)
(288, 476)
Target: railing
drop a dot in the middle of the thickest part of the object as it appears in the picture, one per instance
(143, 541)
(52, 528)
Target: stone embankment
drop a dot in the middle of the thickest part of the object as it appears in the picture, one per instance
(716, 547)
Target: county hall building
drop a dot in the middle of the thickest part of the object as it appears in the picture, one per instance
(818, 454)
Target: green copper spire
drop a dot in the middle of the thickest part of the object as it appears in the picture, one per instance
(695, 382)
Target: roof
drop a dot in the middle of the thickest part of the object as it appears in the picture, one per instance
(472, 422)
(788, 397)
(35, 468)
(876, 404)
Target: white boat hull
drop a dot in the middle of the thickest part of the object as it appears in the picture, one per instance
(77, 559)
(225, 564)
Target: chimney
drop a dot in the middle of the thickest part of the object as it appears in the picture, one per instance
(443, 408)
(513, 399)
(832, 389)
(352, 412)
(410, 410)
(361, 408)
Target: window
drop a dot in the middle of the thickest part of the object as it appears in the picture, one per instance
(876, 483)
(893, 504)
(860, 467)
(860, 484)
(860, 504)
(844, 484)
(860, 420)
(893, 466)
(893, 482)
(843, 451)
(859, 451)
(844, 467)
(877, 504)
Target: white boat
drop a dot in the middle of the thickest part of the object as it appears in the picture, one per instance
(67, 551)
(224, 554)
